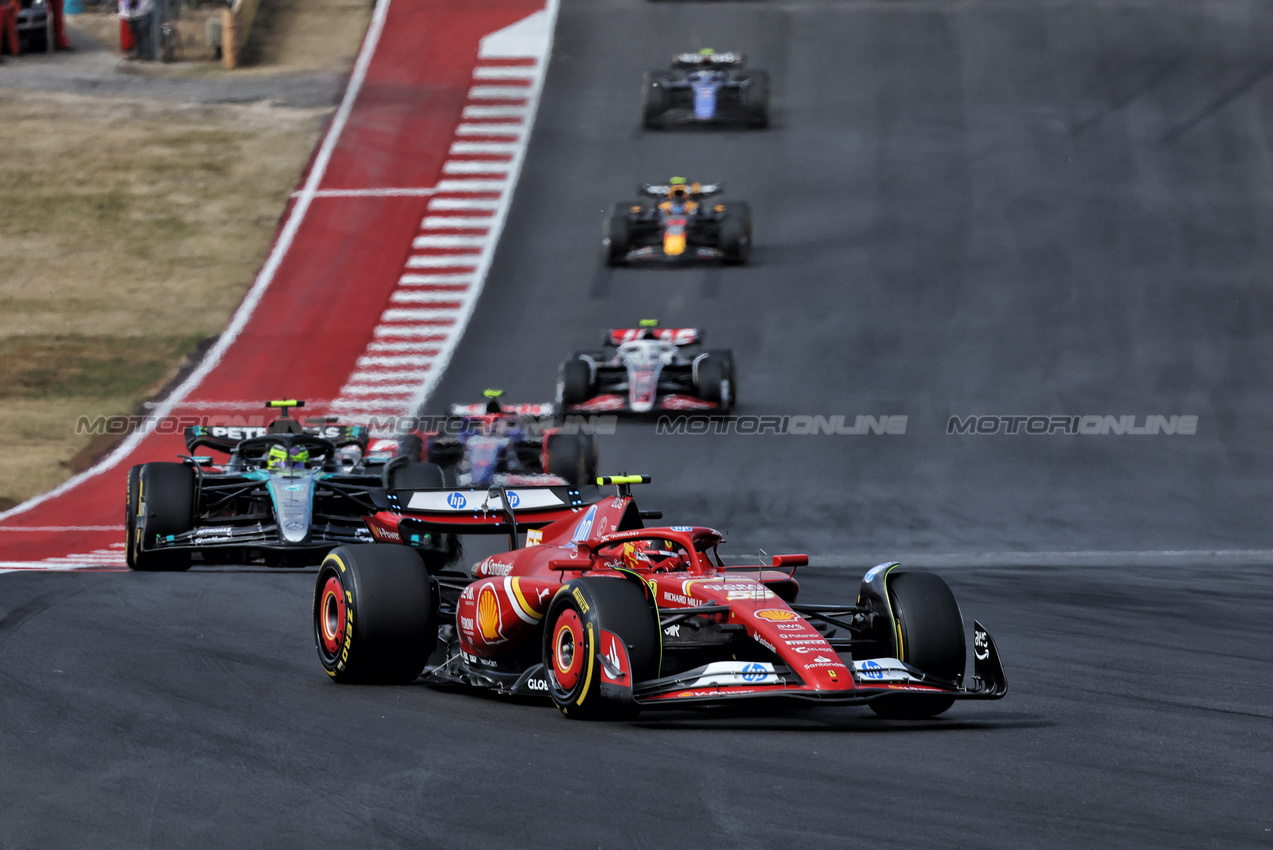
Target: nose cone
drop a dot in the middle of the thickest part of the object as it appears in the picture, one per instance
(674, 244)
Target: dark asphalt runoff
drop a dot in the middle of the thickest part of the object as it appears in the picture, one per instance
(995, 208)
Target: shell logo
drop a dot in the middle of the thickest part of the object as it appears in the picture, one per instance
(775, 615)
(488, 613)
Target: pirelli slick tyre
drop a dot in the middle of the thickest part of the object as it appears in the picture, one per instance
(375, 614)
(571, 456)
(131, 538)
(617, 235)
(735, 234)
(755, 97)
(574, 382)
(404, 474)
(411, 447)
(930, 637)
(572, 645)
(165, 506)
(653, 100)
(715, 380)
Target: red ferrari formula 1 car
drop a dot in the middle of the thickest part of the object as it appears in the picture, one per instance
(607, 617)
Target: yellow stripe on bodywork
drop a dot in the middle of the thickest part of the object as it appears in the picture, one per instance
(521, 600)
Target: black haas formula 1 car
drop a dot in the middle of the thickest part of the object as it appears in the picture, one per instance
(496, 443)
(285, 496)
(606, 617)
(648, 369)
(680, 227)
(705, 88)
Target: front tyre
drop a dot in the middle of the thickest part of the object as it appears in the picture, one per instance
(574, 383)
(572, 644)
(617, 235)
(715, 380)
(375, 614)
(132, 537)
(165, 506)
(929, 636)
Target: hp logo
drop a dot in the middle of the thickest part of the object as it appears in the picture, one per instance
(456, 500)
(513, 499)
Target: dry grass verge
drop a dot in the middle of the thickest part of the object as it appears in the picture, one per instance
(129, 232)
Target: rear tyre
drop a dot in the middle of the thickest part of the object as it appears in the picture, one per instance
(131, 538)
(571, 456)
(735, 234)
(574, 383)
(755, 98)
(572, 650)
(411, 446)
(165, 505)
(617, 235)
(653, 101)
(930, 637)
(375, 614)
(410, 475)
(714, 378)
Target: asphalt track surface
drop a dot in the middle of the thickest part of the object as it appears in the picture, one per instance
(962, 208)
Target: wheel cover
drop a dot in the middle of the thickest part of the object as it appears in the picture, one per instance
(331, 616)
(568, 649)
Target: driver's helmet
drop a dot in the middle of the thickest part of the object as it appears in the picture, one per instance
(678, 189)
(280, 458)
(644, 554)
(634, 555)
(349, 456)
(298, 457)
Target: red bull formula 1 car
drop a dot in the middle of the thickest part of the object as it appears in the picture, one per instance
(606, 617)
(680, 226)
(647, 369)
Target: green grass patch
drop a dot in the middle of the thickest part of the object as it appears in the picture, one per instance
(69, 367)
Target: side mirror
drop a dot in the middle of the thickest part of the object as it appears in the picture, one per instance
(792, 561)
(567, 565)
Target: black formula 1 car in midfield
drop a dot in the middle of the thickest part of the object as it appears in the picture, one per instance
(705, 88)
(681, 225)
(646, 369)
(286, 494)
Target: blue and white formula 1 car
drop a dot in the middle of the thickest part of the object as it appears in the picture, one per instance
(705, 88)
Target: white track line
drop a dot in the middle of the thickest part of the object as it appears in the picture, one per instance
(453, 222)
(263, 280)
(490, 130)
(369, 193)
(463, 204)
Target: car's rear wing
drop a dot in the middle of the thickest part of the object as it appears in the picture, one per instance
(708, 59)
(678, 336)
(493, 510)
(543, 409)
(225, 438)
(696, 190)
